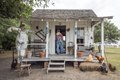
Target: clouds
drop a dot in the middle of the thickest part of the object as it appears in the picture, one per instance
(100, 7)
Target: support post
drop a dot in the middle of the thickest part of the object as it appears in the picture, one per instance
(75, 50)
(75, 64)
(45, 64)
(102, 37)
(93, 28)
(47, 38)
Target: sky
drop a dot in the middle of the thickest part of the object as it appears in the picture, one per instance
(100, 7)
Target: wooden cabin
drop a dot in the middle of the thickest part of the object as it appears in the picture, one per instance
(77, 27)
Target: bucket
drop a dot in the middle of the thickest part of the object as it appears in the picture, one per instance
(80, 53)
(42, 54)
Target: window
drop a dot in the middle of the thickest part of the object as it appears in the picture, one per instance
(80, 36)
(80, 33)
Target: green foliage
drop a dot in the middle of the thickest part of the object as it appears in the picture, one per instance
(7, 40)
(13, 8)
(18, 8)
(37, 3)
(111, 32)
(11, 13)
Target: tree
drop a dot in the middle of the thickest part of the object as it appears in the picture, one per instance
(17, 8)
(5, 37)
(10, 13)
(111, 32)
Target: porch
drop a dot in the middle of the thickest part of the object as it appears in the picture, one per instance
(58, 57)
(62, 57)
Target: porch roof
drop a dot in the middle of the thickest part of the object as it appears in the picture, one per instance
(64, 14)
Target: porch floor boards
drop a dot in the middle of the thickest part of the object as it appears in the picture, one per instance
(65, 57)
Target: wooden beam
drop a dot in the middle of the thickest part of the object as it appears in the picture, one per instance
(106, 17)
(72, 19)
(94, 23)
(47, 39)
(75, 51)
(102, 37)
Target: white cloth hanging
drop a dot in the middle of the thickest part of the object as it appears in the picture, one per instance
(21, 41)
(21, 44)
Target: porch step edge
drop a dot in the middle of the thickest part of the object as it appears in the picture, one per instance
(56, 68)
(56, 63)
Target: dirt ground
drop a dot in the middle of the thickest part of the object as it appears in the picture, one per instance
(39, 73)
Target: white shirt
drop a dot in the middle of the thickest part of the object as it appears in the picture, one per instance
(22, 40)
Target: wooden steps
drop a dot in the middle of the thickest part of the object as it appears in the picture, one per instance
(56, 65)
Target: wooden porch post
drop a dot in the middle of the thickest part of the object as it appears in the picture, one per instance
(75, 51)
(47, 38)
(102, 37)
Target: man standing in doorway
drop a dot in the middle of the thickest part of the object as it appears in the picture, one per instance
(59, 42)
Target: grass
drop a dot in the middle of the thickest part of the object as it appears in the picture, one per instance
(114, 59)
(113, 56)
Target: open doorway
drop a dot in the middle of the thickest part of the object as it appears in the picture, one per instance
(62, 29)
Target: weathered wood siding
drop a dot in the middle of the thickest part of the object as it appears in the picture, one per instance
(88, 32)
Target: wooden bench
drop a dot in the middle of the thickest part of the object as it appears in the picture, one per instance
(24, 68)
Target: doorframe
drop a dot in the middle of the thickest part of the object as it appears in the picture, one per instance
(65, 37)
